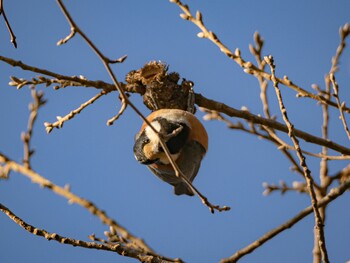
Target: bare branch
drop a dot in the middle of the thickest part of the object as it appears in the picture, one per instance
(344, 32)
(342, 175)
(106, 61)
(74, 79)
(340, 105)
(26, 137)
(247, 66)
(116, 117)
(61, 120)
(121, 248)
(72, 198)
(333, 194)
(59, 83)
(324, 178)
(307, 172)
(12, 35)
(263, 83)
(325, 124)
(283, 187)
(67, 38)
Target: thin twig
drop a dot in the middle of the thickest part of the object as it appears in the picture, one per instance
(38, 101)
(344, 32)
(324, 178)
(333, 194)
(106, 61)
(263, 83)
(61, 120)
(60, 83)
(307, 172)
(74, 79)
(247, 66)
(116, 117)
(283, 187)
(341, 176)
(2, 12)
(282, 144)
(340, 105)
(120, 248)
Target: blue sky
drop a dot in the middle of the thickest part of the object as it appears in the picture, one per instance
(98, 162)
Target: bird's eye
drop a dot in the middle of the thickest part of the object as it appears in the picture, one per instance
(145, 140)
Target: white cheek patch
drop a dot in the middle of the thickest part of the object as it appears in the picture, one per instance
(155, 143)
(152, 136)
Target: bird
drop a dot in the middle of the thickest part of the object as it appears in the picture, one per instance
(186, 139)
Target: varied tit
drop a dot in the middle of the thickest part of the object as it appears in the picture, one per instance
(186, 139)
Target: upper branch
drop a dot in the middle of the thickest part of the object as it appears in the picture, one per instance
(246, 65)
(2, 12)
(200, 100)
(74, 79)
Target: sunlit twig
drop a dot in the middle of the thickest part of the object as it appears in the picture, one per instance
(247, 66)
(38, 101)
(307, 173)
(340, 105)
(61, 120)
(12, 35)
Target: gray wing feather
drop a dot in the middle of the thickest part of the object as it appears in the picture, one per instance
(189, 166)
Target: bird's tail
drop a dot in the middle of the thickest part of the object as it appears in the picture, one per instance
(183, 189)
